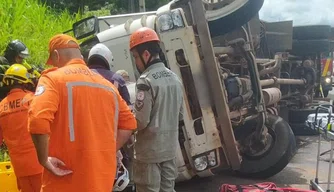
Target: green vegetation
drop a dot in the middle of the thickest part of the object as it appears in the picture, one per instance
(34, 24)
(3, 154)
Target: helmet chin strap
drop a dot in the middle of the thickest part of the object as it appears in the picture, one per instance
(145, 64)
(150, 62)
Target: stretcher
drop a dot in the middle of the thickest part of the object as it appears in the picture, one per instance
(7, 178)
(323, 123)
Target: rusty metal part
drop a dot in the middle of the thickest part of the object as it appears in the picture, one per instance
(237, 113)
(278, 62)
(223, 50)
(308, 63)
(305, 98)
(265, 62)
(272, 110)
(271, 95)
(291, 81)
(267, 82)
(268, 63)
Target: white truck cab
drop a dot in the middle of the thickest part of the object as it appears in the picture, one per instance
(207, 140)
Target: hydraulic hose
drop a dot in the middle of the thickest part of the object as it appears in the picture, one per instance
(240, 99)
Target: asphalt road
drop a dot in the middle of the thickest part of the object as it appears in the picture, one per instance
(298, 173)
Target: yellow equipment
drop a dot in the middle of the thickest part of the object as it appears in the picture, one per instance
(7, 177)
(18, 73)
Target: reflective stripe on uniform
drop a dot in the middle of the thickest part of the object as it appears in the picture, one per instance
(69, 86)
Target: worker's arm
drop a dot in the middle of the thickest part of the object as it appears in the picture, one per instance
(143, 104)
(126, 123)
(41, 113)
(122, 137)
(41, 142)
(123, 90)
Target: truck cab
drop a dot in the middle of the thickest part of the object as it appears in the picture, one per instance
(230, 113)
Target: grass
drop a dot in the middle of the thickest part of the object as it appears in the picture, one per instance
(3, 154)
(34, 24)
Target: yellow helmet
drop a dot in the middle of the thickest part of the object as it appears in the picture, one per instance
(17, 73)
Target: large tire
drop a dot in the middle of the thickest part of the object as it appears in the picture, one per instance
(309, 47)
(234, 18)
(312, 32)
(299, 116)
(278, 156)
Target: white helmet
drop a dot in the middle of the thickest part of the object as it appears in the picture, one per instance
(122, 180)
(102, 52)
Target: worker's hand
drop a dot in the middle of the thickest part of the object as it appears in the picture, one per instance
(56, 167)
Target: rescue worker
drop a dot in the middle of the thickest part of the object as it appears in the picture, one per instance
(100, 59)
(124, 74)
(16, 51)
(158, 106)
(4, 89)
(13, 128)
(78, 121)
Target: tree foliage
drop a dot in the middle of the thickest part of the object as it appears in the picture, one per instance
(114, 6)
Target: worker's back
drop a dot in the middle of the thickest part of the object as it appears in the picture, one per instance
(84, 127)
(158, 140)
(13, 123)
(116, 79)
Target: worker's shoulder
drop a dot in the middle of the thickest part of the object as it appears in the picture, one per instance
(50, 71)
(3, 61)
(143, 82)
(118, 78)
(151, 73)
(28, 94)
(4, 100)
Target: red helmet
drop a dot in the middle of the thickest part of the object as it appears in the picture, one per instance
(143, 35)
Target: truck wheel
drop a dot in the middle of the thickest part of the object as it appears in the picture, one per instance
(312, 32)
(302, 47)
(281, 150)
(232, 16)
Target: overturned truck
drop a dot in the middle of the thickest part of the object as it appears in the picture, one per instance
(239, 83)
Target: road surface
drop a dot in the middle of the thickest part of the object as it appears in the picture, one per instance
(298, 173)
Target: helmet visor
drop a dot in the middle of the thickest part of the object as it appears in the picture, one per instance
(24, 54)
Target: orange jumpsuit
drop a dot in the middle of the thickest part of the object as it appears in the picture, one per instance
(13, 128)
(81, 111)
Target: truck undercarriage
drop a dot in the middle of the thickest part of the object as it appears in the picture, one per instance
(239, 86)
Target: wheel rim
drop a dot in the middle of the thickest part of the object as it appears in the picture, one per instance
(271, 140)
